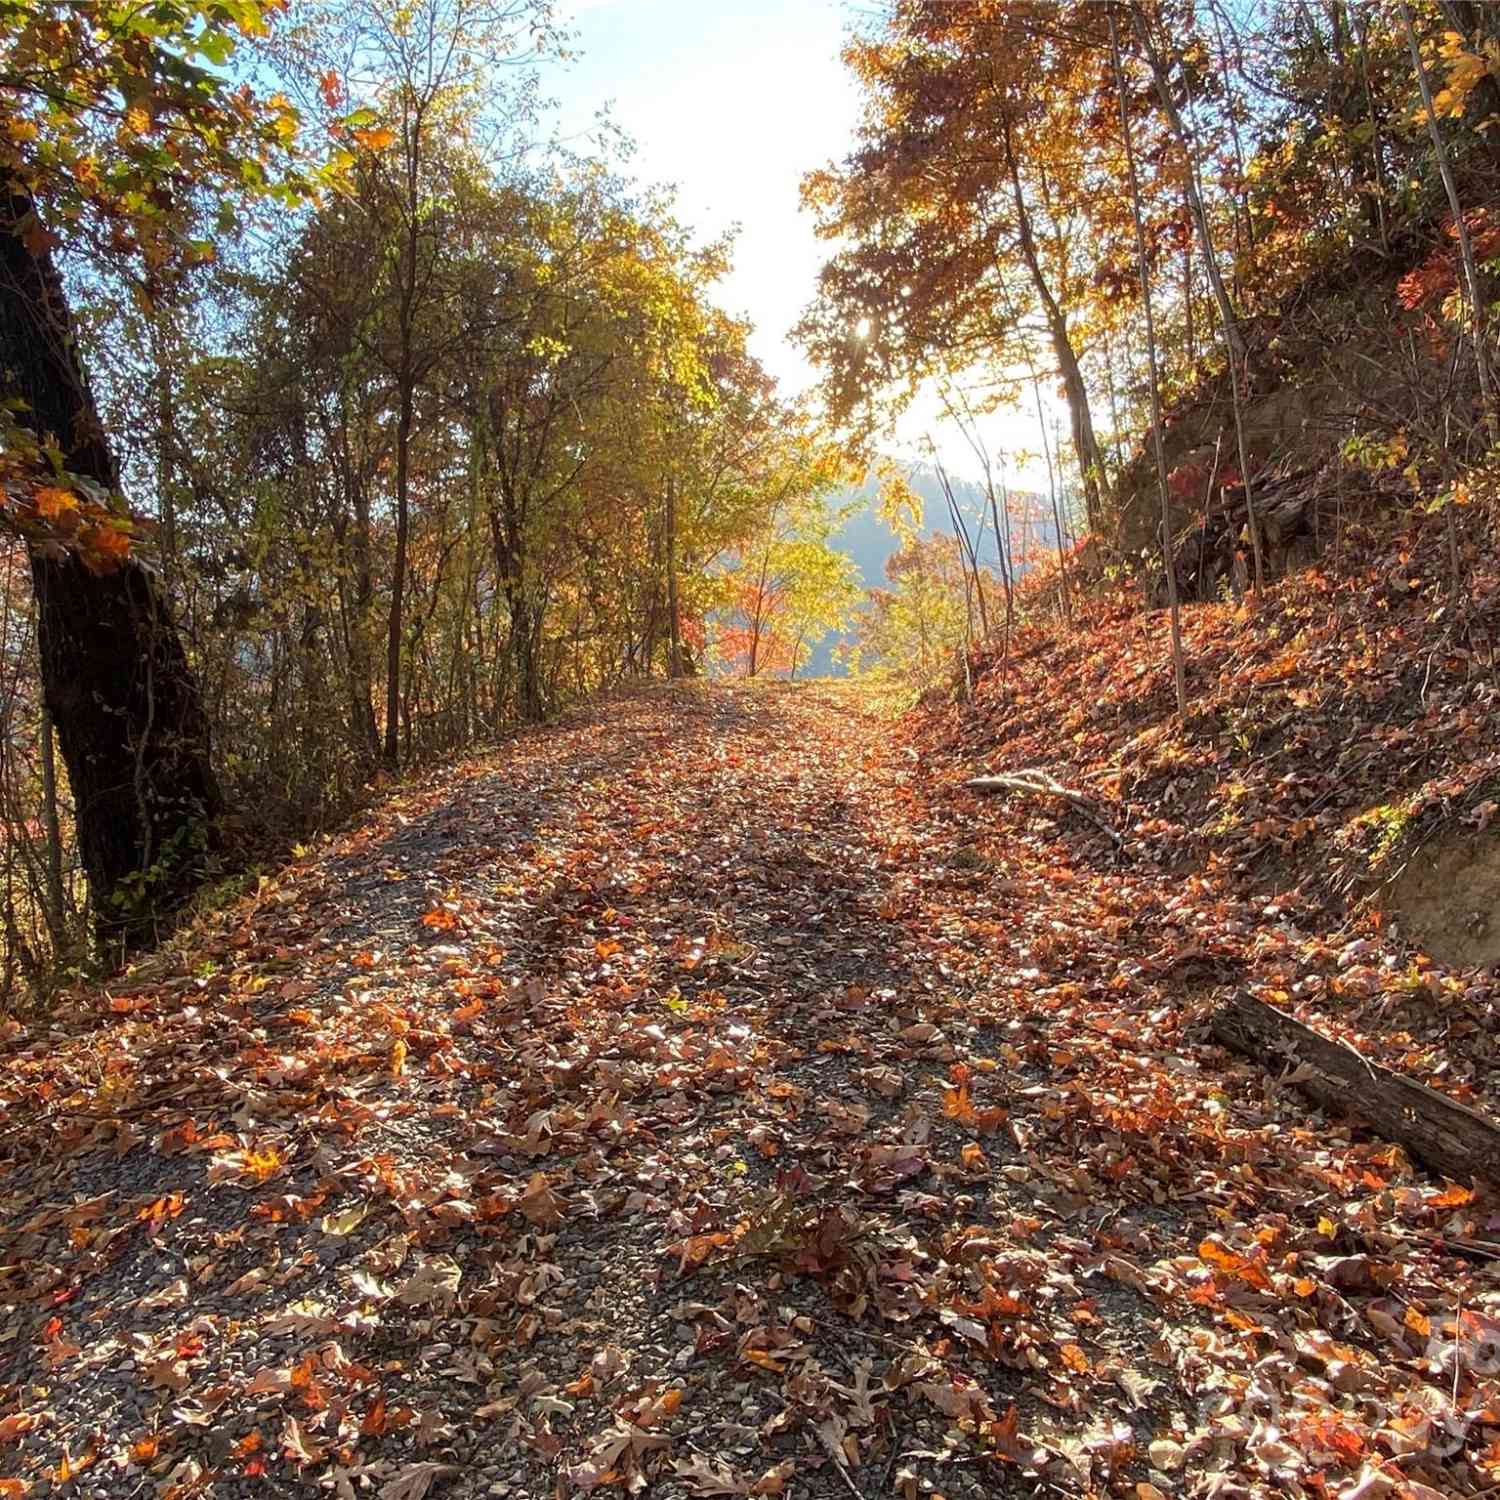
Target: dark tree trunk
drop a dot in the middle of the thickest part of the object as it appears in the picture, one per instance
(363, 729)
(525, 638)
(129, 721)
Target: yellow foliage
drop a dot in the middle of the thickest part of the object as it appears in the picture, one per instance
(52, 502)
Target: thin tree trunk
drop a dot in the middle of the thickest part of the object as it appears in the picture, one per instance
(967, 557)
(364, 731)
(1472, 288)
(674, 622)
(1179, 673)
(1228, 320)
(1086, 445)
(52, 825)
(1057, 528)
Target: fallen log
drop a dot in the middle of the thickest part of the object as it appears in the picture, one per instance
(1443, 1134)
(1040, 784)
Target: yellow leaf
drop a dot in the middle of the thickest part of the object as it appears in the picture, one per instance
(262, 1164)
(52, 502)
(398, 1058)
(347, 1221)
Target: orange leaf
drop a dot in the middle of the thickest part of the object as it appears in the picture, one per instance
(52, 502)
(958, 1106)
(375, 137)
(1453, 1197)
(398, 1058)
(103, 548)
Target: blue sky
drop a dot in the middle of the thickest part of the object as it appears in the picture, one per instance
(733, 101)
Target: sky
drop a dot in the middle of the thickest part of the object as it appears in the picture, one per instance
(733, 101)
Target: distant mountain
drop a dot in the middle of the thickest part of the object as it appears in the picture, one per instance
(871, 543)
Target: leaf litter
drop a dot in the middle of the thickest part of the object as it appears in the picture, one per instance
(707, 1095)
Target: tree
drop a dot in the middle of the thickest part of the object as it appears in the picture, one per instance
(418, 74)
(786, 587)
(1179, 675)
(112, 119)
(972, 135)
(1229, 323)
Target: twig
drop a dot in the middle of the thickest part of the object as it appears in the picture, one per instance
(836, 1458)
(1040, 784)
(878, 1338)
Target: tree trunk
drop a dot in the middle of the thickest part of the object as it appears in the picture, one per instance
(1169, 561)
(674, 622)
(398, 581)
(1444, 1134)
(129, 721)
(363, 730)
(1080, 417)
(525, 631)
(1234, 340)
(52, 824)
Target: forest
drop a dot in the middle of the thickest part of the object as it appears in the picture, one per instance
(483, 1014)
(352, 418)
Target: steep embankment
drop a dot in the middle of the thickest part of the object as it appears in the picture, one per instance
(1340, 749)
(709, 1093)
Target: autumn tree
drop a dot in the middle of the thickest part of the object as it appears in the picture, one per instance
(958, 214)
(115, 121)
(416, 76)
(786, 587)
